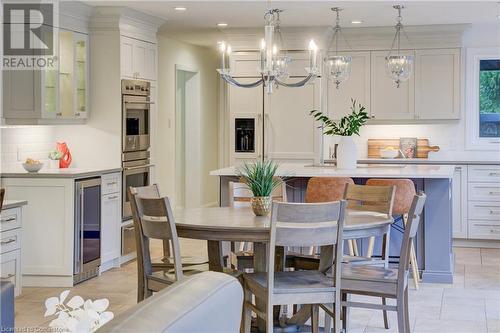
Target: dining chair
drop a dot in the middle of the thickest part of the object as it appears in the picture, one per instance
(405, 191)
(151, 275)
(241, 255)
(299, 224)
(377, 281)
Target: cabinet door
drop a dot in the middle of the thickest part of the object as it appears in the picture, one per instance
(244, 64)
(126, 56)
(290, 133)
(81, 75)
(356, 87)
(437, 84)
(10, 269)
(66, 75)
(150, 73)
(110, 227)
(387, 101)
(139, 56)
(21, 94)
(459, 203)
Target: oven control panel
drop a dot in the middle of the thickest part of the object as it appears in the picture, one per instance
(135, 87)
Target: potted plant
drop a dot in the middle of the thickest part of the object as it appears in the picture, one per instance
(54, 157)
(260, 177)
(346, 128)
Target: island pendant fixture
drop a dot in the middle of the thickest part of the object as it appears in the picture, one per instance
(274, 60)
(399, 67)
(338, 66)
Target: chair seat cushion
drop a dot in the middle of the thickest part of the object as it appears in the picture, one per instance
(291, 282)
(369, 273)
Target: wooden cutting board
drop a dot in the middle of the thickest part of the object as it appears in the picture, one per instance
(423, 147)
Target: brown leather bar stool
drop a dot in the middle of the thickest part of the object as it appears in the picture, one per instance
(328, 189)
(405, 192)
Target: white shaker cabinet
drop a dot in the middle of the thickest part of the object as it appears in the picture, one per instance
(437, 84)
(459, 202)
(111, 219)
(387, 101)
(290, 132)
(357, 87)
(138, 59)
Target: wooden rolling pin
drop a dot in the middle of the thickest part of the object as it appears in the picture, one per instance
(375, 145)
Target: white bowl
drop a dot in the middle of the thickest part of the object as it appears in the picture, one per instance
(32, 167)
(389, 153)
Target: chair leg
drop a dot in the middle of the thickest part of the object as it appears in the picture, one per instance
(384, 312)
(269, 319)
(314, 318)
(247, 313)
(336, 317)
(328, 320)
(407, 311)
(345, 314)
(371, 244)
(350, 244)
(401, 314)
(414, 266)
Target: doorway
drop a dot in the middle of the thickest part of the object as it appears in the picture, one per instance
(187, 138)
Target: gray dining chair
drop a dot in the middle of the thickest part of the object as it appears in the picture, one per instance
(383, 282)
(299, 224)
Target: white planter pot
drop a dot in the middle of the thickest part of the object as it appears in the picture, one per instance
(346, 153)
(53, 164)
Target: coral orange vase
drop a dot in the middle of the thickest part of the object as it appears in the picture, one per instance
(65, 160)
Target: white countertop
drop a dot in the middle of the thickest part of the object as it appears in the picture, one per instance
(13, 203)
(362, 171)
(58, 173)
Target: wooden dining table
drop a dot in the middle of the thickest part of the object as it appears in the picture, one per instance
(219, 224)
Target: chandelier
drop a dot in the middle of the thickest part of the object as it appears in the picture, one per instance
(274, 60)
(399, 67)
(338, 67)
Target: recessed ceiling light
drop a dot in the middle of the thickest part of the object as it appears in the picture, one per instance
(222, 24)
(356, 21)
(180, 9)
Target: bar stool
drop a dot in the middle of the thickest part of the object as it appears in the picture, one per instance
(328, 189)
(405, 192)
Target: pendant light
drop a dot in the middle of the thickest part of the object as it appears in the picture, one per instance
(338, 66)
(399, 67)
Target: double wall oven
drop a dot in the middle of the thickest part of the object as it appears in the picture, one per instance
(136, 107)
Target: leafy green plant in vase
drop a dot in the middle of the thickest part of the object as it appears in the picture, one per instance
(347, 127)
(261, 179)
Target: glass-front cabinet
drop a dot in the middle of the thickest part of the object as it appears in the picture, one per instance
(65, 91)
(483, 98)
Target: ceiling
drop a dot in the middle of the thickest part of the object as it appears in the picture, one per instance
(198, 23)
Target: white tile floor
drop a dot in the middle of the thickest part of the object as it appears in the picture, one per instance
(470, 305)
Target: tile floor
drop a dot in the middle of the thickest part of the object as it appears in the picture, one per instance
(470, 305)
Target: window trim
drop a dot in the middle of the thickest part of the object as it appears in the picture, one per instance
(472, 139)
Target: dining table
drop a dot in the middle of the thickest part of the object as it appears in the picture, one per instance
(228, 224)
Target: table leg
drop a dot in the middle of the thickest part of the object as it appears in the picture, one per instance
(259, 265)
(215, 260)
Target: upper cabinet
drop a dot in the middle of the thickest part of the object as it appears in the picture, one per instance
(138, 59)
(431, 93)
(437, 84)
(51, 94)
(387, 101)
(356, 87)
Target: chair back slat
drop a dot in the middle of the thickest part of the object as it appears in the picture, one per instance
(307, 234)
(151, 191)
(378, 199)
(411, 228)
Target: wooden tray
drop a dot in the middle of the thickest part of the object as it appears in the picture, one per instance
(423, 147)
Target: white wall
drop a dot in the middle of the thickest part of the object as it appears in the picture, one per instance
(171, 53)
(449, 135)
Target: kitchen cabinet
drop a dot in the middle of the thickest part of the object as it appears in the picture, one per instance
(111, 218)
(138, 59)
(437, 84)
(51, 94)
(290, 133)
(387, 101)
(459, 203)
(356, 87)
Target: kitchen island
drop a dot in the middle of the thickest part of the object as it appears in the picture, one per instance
(434, 239)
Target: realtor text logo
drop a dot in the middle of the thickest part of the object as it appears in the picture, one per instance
(29, 36)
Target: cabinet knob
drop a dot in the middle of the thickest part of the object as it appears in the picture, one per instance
(373, 116)
(59, 114)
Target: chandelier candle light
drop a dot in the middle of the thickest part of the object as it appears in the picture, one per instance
(274, 60)
(399, 67)
(339, 67)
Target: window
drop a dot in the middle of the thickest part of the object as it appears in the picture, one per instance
(483, 99)
(489, 98)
